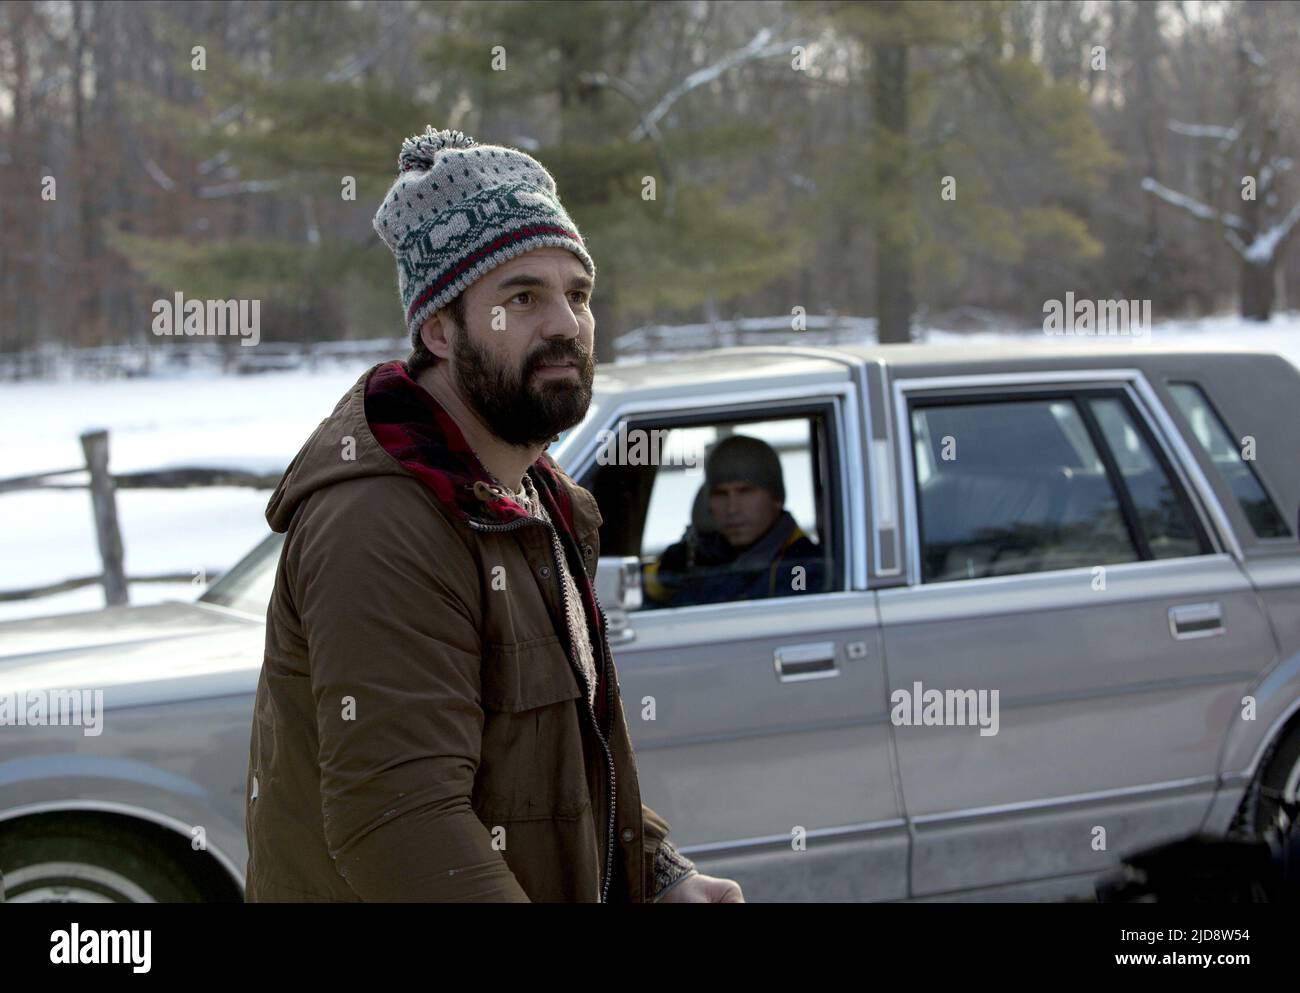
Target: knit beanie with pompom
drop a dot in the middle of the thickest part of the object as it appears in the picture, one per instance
(459, 209)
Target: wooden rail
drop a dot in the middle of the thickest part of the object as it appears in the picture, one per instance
(103, 486)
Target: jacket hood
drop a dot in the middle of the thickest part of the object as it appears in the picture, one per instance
(389, 425)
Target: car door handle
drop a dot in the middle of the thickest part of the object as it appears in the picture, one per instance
(1196, 620)
(795, 663)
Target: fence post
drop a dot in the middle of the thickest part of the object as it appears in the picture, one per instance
(103, 500)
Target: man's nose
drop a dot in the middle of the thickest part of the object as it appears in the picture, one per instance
(559, 321)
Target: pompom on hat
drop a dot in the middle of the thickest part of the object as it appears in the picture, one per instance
(419, 150)
(459, 209)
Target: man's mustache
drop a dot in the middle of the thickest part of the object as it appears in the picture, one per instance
(560, 353)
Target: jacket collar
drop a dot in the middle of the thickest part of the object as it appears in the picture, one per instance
(783, 532)
(416, 430)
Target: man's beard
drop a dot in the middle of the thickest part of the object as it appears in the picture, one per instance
(516, 413)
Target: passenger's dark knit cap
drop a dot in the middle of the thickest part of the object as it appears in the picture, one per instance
(741, 458)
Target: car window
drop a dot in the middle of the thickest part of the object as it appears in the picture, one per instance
(1014, 486)
(1166, 521)
(1216, 441)
(761, 532)
(248, 584)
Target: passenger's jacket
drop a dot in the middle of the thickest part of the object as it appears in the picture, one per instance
(703, 568)
(420, 731)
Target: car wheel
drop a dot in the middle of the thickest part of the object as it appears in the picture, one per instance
(72, 862)
(1278, 784)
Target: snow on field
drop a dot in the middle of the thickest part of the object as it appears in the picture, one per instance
(253, 422)
(256, 422)
(1281, 335)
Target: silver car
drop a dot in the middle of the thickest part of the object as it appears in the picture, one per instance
(1060, 621)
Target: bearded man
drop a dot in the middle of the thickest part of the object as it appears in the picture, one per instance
(438, 716)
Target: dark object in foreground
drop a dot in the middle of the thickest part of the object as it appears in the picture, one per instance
(1208, 869)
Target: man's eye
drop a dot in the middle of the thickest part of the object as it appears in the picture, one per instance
(525, 293)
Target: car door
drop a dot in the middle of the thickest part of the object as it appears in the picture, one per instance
(1063, 570)
(760, 725)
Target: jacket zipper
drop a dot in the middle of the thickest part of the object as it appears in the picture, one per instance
(586, 687)
(609, 711)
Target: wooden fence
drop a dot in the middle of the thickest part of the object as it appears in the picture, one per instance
(127, 361)
(229, 357)
(103, 486)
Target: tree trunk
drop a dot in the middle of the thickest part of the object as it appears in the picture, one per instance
(602, 310)
(1256, 291)
(580, 103)
(893, 242)
(1151, 115)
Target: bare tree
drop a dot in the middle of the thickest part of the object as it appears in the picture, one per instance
(1249, 164)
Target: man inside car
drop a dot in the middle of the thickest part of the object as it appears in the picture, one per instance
(742, 544)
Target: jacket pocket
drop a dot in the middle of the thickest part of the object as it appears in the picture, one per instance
(532, 763)
(527, 675)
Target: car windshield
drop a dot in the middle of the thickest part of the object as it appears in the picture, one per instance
(247, 586)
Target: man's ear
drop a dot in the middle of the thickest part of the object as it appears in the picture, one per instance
(433, 333)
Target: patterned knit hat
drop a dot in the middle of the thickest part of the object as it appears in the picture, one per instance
(458, 209)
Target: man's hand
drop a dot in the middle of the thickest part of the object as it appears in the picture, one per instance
(704, 889)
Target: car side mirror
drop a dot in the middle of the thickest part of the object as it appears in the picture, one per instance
(618, 586)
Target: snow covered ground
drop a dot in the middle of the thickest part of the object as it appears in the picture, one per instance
(256, 422)
(1281, 335)
(253, 422)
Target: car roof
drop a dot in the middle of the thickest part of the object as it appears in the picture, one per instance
(731, 368)
(763, 364)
